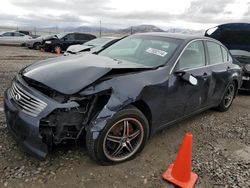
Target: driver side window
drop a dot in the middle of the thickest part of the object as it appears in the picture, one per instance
(192, 57)
(69, 37)
(8, 34)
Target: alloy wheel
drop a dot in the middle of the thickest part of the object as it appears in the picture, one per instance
(123, 139)
(229, 96)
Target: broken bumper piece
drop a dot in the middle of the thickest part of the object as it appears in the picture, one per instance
(25, 130)
(25, 127)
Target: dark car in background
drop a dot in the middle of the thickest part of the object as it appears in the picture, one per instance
(118, 98)
(94, 45)
(62, 41)
(236, 37)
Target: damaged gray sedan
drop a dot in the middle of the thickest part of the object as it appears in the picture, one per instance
(117, 99)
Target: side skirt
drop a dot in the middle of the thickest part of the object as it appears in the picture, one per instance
(181, 119)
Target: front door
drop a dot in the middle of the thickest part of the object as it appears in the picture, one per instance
(183, 97)
(68, 40)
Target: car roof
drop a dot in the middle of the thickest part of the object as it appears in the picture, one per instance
(236, 26)
(174, 35)
(2, 32)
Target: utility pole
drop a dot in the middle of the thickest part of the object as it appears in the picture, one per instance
(100, 28)
(17, 27)
(131, 30)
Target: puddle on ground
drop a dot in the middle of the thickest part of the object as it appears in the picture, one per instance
(234, 149)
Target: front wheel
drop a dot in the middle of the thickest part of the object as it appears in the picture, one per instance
(123, 137)
(228, 98)
(37, 46)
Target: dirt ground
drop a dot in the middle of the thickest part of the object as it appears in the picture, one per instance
(221, 148)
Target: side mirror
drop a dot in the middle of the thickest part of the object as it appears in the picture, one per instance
(187, 77)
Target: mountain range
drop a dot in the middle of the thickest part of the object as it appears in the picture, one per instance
(129, 30)
(107, 31)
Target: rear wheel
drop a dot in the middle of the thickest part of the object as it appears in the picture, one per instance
(228, 98)
(123, 137)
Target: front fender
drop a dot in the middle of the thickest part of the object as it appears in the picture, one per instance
(117, 101)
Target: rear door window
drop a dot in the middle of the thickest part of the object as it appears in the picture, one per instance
(18, 35)
(80, 37)
(83, 37)
(214, 53)
(69, 37)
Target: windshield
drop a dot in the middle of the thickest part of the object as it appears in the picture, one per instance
(151, 51)
(61, 35)
(97, 42)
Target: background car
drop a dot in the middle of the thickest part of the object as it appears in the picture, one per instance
(27, 33)
(118, 98)
(95, 44)
(236, 37)
(36, 43)
(63, 40)
(13, 38)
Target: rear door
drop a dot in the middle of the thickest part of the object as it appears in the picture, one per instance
(219, 64)
(19, 38)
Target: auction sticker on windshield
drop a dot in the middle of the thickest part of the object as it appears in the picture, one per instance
(156, 52)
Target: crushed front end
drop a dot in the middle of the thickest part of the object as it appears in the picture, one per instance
(40, 118)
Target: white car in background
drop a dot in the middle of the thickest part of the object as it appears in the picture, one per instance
(13, 38)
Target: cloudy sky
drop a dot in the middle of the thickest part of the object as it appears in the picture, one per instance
(193, 14)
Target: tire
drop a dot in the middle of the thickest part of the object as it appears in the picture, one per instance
(37, 46)
(228, 96)
(107, 152)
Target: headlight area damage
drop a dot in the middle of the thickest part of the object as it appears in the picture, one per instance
(69, 123)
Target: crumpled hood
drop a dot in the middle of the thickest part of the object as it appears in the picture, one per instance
(78, 48)
(70, 74)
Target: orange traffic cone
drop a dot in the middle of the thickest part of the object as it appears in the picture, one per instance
(180, 172)
(58, 51)
(42, 50)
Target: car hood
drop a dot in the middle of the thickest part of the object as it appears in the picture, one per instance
(78, 48)
(69, 74)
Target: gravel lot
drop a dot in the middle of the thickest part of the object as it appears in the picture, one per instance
(221, 148)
